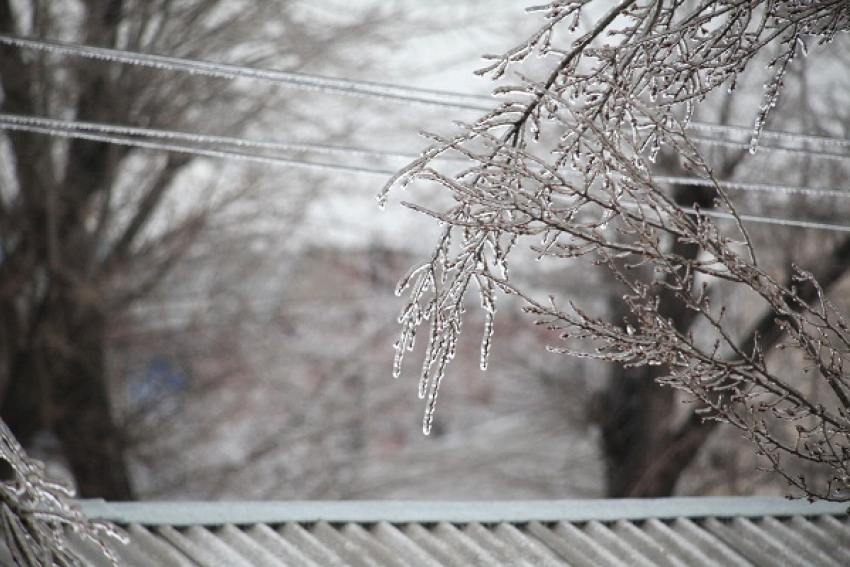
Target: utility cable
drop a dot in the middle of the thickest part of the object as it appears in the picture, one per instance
(725, 215)
(769, 220)
(769, 134)
(351, 87)
(65, 128)
(351, 169)
(231, 71)
(764, 147)
(203, 152)
(740, 186)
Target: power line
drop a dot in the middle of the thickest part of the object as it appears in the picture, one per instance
(350, 169)
(769, 134)
(740, 186)
(777, 221)
(769, 220)
(193, 137)
(230, 71)
(365, 89)
(204, 152)
(66, 128)
(764, 147)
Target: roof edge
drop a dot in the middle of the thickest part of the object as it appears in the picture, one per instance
(182, 514)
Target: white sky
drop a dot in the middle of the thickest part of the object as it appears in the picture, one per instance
(443, 59)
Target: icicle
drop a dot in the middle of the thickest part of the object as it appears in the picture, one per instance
(398, 359)
(430, 355)
(487, 339)
(405, 280)
(431, 407)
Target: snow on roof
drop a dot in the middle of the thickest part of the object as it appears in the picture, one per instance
(671, 531)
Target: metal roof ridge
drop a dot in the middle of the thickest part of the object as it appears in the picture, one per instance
(211, 513)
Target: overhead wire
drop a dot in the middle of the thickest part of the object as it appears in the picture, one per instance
(118, 134)
(195, 138)
(348, 87)
(769, 134)
(112, 133)
(761, 147)
(204, 152)
(744, 217)
(51, 127)
(366, 89)
(760, 187)
(796, 223)
(355, 169)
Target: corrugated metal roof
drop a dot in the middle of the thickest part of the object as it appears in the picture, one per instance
(674, 532)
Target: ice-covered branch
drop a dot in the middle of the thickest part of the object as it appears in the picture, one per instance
(37, 514)
(565, 167)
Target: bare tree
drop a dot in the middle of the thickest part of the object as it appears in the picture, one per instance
(565, 168)
(88, 227)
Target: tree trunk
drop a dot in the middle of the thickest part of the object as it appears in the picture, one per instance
(58, 383)
(52, 342)
(643, 451)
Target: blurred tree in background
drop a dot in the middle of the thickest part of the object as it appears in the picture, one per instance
(86, 227)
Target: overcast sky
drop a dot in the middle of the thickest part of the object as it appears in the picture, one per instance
(443, 56)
